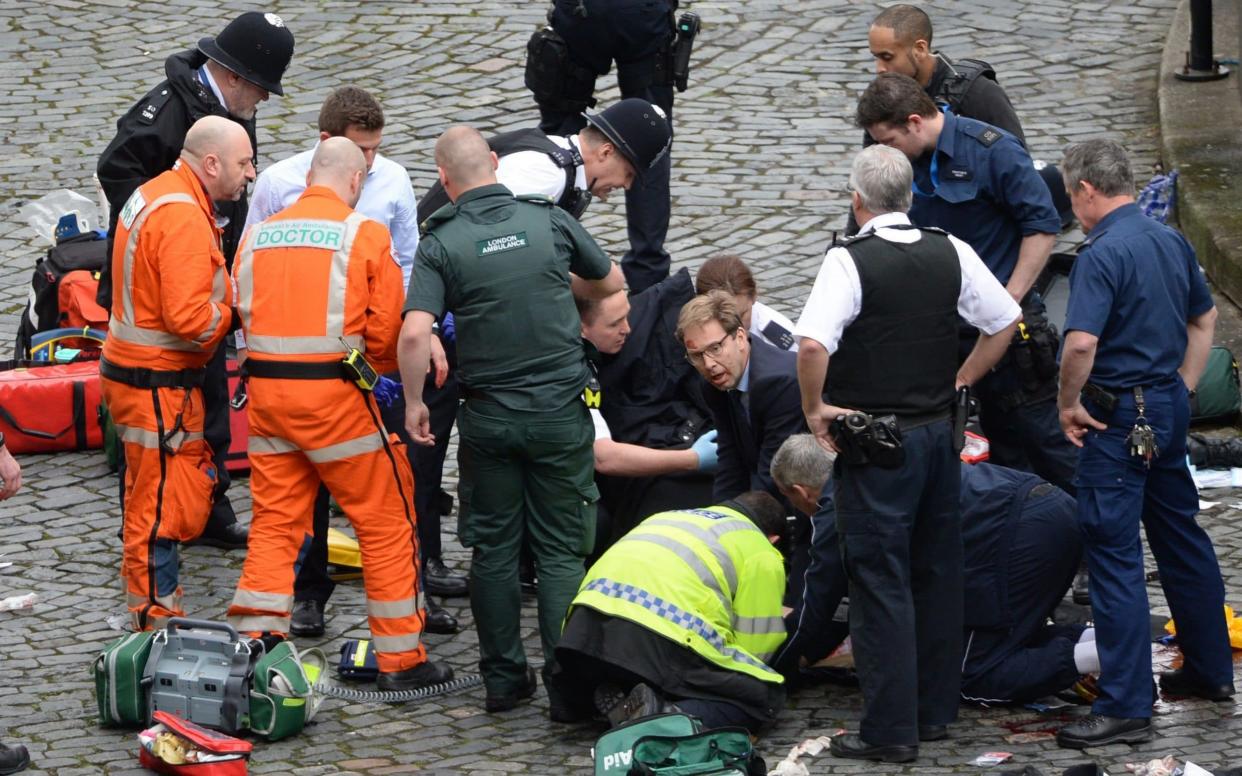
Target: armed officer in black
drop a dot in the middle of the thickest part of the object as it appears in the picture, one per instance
(887, 408)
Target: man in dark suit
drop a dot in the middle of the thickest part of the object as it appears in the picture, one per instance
(756, 404)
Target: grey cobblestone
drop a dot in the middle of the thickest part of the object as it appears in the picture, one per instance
(764, 139)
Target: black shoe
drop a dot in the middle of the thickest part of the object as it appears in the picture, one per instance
(439, 620)
(13, 759)
(231, 537)
(421, 675)
(933, 732)
(642, 701)
(1182, 684)
(307, 618)
(510, 700)
(607, 696)
(438, 580)
(1081, 588)
(1099, 730)
(854, 748)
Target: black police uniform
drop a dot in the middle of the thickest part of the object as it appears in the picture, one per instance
(900, 526)
(636, 34)
(651, 396)
(148, 141)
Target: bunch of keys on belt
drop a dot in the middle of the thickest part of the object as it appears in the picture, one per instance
(1142, 439)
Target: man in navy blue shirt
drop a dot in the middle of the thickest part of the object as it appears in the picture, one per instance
(1138, 331)
(977, 183)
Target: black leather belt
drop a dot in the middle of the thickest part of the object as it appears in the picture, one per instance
(139, 377)
(294, 370)
(907, 422)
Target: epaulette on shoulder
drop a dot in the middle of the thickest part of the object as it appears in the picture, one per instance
(539, 199)
(154, 103)
(856, 238)
(986, 135)
(441, 216)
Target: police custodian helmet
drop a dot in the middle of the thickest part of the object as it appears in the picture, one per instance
(638, 129)
(257, 46)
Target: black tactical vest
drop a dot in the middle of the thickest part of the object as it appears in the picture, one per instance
(900, 354)
(572, 200)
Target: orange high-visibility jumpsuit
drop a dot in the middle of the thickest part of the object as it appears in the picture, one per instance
(170, 305)
(313, 281)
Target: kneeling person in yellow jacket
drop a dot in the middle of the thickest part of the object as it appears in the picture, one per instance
(683, 612)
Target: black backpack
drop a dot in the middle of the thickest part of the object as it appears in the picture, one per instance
(87, 252)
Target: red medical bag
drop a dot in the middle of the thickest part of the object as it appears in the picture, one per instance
(45, 408)
(222, 754)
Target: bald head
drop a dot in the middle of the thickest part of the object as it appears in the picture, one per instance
(464, 160)
(219, 152)
(340, 165)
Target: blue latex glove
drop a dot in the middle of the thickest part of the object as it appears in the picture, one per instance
(705, 448)
(386, 391)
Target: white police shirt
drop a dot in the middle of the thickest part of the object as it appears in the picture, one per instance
(836, 297)
(534, 172)
(772, 327)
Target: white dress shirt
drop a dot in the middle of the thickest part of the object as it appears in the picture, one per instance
(836, 297)
(387, 197)
(534, 172)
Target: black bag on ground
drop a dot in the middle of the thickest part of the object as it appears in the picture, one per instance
(87, 252)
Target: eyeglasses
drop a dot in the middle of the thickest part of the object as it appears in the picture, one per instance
(713, 351)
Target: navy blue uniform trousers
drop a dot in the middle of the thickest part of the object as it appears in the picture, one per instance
(1115, 491)
(1030, 658)
(631, 32)
(902, 542)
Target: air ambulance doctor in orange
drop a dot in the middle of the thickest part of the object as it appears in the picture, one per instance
(170, 306)
(317, 286)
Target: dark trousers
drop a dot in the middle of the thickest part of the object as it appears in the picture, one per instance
(1027, 437)
(901, 533)
(1030, 659)
(1115, 491)
(525, 477)
(312, 582)
(631, 32)
(597, 648)
(218, 435)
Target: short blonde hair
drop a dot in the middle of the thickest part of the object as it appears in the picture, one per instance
(717, 306)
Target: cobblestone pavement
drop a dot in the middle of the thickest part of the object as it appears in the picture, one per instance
(763, 145)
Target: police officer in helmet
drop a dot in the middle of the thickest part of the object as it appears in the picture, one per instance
(582, 41)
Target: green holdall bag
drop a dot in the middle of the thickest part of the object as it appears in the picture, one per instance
(710, 753)
(119, 689)
(613, 750)
(1217, 397)
(282, 692)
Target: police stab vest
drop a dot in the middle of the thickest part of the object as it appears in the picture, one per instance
(900, 354)
(572, 200)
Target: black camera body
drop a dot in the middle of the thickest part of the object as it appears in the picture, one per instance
(868, 440)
